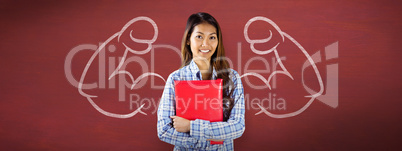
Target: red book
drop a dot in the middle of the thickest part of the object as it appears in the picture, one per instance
(199, 99)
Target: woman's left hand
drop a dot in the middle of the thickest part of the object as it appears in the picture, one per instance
(181, 124)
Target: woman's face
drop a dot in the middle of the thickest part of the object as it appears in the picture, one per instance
(203, 42)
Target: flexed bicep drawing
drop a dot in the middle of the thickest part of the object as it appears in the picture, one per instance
(282, 45)
(122, 44)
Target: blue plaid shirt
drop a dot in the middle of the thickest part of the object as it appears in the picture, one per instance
(200, 130)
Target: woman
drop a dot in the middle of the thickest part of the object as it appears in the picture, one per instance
(203, 58)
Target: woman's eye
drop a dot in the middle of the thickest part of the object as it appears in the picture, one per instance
(212, 38)
(198, 37)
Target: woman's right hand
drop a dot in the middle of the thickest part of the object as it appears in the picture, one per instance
(181, 124)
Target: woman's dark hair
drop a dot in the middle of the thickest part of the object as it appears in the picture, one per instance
(218, 60)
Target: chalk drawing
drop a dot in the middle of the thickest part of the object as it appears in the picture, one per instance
(118, 70)
(282, 71)
(282, 67)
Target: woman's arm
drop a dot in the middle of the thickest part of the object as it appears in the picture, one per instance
(231, 129)
(166, 109)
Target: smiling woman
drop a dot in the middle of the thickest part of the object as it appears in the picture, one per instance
(203, 58)
(203, 43)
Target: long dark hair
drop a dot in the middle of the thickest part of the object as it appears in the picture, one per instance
(218, 60)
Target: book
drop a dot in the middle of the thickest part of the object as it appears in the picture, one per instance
(199, 99)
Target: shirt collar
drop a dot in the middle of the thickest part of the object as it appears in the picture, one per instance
(196, 71)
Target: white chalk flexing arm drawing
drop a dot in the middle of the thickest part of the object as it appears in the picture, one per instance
(284, 38)
(120, 69)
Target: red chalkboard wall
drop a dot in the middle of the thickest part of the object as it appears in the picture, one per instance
(46, 46)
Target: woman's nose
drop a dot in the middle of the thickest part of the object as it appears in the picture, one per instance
(205, 42)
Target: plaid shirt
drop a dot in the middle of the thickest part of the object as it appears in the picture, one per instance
(200, 130)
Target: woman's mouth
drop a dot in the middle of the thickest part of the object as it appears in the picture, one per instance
(205, 50)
